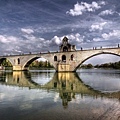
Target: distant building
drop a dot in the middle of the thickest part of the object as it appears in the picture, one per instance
(66, 46)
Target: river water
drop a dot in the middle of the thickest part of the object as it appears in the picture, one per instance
(88, 94)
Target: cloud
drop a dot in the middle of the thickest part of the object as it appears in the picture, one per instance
(29, 37)
(102, 3)
(35, 43)
(28, 31)
(7, 39)
(113, 34)
(3, 39)
(75, 37)
(97, 26)
(9, 44)
(57, 40)
(24, 44)
(79, 8)
(97, 39)
(106, 12)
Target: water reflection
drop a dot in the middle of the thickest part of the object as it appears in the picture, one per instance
(101, 79)
(21, 79)
(68, 85)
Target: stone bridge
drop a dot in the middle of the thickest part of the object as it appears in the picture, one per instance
(66, 59)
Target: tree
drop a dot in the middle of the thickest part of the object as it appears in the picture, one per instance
(89, 66)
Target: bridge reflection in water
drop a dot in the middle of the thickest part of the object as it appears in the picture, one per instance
(66, 84)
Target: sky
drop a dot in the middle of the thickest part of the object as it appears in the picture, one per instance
(40, 25)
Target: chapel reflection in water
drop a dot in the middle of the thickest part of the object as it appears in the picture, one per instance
(66, 84)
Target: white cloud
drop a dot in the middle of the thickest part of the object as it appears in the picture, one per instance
(30, 37)
(7, 39)
(113, 34)
(96, 39)
(9, 44)
(34, 43)
(57, 40)
(79, 8)
(29, 42)
(75, 37)
(28, 31)
(95, 5)
(118, 13)
(3, 39)
(106, 12)
(102, 3)
(98, 26)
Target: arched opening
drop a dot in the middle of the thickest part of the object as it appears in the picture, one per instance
(38, 63)
(63, 58)
(55, 58)
(18, 60)
(65, 49)
(102, 60)
(5, 64)
(72, 56)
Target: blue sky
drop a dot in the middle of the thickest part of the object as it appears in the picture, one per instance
(40, 25)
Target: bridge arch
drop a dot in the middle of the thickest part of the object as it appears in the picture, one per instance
(91, 56)
(2, 59)
(28, 62)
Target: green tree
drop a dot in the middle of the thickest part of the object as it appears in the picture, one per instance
(89, 66)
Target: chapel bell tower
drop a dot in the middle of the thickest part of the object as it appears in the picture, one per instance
(66, 46)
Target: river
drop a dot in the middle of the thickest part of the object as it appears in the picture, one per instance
(88, 94)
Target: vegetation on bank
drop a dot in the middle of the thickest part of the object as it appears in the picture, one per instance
(115, 65)
(6, 63)
(41, 64)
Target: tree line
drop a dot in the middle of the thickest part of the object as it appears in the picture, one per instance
(44, 64)
(115, 65)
